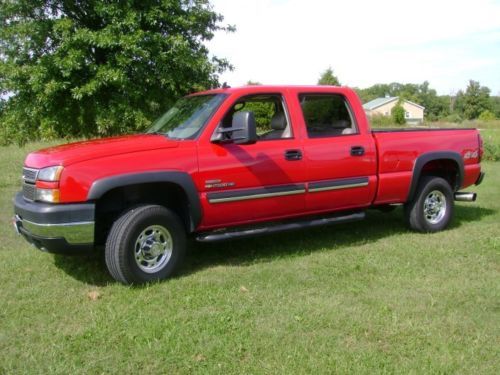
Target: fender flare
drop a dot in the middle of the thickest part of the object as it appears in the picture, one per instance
(181, 179)
(431, 156)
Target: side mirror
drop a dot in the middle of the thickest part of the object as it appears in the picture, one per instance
(243, 130)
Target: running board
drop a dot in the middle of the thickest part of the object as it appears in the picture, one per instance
(234, 233)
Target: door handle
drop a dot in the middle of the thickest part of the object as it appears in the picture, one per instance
(357, 151)
(293, 155)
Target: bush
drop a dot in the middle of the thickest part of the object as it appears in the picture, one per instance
(491, 151)
(455, 117)
(398, 114)
(380, 121)
(487, 116)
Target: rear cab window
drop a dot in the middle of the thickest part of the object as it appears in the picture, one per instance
(327, 115)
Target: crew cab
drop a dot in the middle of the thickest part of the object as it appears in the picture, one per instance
(235, 162)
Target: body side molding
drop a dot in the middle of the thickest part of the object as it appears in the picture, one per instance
(246, 194)
(337, 184)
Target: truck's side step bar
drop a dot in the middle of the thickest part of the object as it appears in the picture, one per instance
(234, 233)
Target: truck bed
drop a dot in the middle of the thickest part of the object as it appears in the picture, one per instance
(398, 150)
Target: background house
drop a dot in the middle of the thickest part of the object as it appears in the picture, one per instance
(414, 113)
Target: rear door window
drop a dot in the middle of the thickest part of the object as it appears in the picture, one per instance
(327, 115)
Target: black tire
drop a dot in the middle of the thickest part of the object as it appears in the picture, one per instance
(420, 213)
(163, 244)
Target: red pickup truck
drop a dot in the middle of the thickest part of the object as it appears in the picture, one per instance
(236, 162)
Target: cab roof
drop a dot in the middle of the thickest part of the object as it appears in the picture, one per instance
(271, 88)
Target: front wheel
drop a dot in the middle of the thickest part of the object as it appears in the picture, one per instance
(146, 243)
(432, 207)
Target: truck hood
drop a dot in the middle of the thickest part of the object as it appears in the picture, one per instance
(86, 150)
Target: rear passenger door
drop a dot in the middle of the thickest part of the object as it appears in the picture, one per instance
(340, 161)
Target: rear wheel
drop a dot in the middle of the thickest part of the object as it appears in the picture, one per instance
(432, 207)
(147, 243)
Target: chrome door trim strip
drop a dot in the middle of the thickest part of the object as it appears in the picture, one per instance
(348, 183)
(281, 191)
(269, 192)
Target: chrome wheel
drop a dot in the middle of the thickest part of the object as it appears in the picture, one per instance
(153, 248)
(434, 207)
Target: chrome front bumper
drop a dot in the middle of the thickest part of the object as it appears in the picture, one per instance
(73, 233)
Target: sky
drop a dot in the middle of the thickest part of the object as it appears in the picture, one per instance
(446, 42)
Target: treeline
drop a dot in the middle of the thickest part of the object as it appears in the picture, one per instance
(472, 103)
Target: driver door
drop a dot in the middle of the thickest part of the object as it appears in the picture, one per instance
(253, 182)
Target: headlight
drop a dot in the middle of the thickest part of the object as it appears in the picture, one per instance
(47, 184)
(50, 173)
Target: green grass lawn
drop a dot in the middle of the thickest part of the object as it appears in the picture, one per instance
(366, 297)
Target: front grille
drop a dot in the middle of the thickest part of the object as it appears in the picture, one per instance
(30, 174)
(29, 191)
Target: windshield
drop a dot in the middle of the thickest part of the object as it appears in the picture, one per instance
(187, 117)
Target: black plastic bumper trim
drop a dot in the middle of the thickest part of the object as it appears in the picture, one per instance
(46, 213)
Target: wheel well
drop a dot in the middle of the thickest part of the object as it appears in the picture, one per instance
(116, 201)
(444, 168)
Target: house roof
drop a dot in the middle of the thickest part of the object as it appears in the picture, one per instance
(372, 104)
(375, 103)
(415, 104)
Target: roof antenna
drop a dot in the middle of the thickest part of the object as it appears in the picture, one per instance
(225, 86)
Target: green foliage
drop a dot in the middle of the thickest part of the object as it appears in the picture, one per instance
(491, 151)
(100, 68)
(381, 121)
(474, 101)
(465, 105)
(328, 78)
(263, 112)
(323, 112)
(495, 105)
(491, 140)
(398, 114)
(487, 116)
(455, 117)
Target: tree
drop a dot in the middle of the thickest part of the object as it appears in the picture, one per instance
(474, 101)
(86, 68)
(495, 105)
(328, 78)
(398, 114)
(487, 116)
